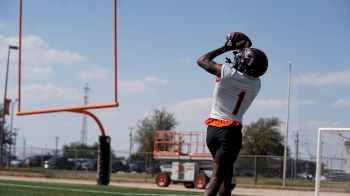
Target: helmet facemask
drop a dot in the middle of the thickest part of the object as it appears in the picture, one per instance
(244, 61)
(240, 63)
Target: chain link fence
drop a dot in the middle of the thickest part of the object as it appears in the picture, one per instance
(249, 170)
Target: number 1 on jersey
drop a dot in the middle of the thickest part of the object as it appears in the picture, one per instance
(239, 102)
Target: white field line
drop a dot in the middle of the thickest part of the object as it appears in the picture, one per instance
(86, 191)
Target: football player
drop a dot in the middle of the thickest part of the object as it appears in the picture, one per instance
(237, 84)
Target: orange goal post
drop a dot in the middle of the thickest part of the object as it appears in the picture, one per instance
(104, 147)
(76, 109)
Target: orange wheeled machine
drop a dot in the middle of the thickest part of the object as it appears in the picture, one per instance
(184, 158)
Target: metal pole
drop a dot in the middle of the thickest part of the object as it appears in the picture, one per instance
(24, 147)
(296, 155)
(130, 145)
(11, 134)
(287, 127)
(15, 140)
(255, 171)
(84, 124)
(318, 163)
(12, 106)
(56, 141)
(2, 130)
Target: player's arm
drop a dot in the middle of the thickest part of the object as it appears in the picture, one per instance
(207, 63)
(234, 40)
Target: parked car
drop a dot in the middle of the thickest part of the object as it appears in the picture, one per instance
(153, 169)
(90, 164)
(17, 163)
(35, 161)
(305, 175)
(118, 166)
(138, 166)
(79, 163)
(59, 163)
(6, 159)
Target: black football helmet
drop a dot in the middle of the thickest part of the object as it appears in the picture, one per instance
(251, 61)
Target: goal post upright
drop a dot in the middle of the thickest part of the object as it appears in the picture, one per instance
(318, 163)
(104, 148)
(319, 155)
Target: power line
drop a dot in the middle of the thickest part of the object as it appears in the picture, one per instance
(323, 95)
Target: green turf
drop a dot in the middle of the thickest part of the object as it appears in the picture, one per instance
(15, 188)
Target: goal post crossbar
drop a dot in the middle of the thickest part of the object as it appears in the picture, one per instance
(319, 154)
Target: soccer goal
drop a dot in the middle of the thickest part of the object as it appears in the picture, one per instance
(333, 160)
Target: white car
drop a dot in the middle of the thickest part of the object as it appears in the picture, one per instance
(16, 163)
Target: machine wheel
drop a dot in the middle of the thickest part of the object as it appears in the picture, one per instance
(200, 181)
(163, 180)
(189, 184)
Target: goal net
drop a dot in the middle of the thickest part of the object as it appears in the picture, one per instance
(333, 161)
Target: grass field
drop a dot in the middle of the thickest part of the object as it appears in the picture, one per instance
(23, 188)
(15, 188)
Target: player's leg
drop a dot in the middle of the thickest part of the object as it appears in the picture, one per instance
(216, 180)
(211, 140)
(218, 171)
(222, 154)
(235, 136)
(227, 185)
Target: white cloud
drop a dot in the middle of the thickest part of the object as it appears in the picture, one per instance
(38, 57)
(134, 86)
(194, 110)
(318, 79)
(42, 92)
(140, 86)
(37, 52)
(306, 102)
(4, 44)
(94, 72)
(314, 124)
(31, 72)
(154, 80)
(341, 103)
(268, 104)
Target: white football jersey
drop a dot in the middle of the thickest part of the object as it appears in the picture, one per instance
(233, 94)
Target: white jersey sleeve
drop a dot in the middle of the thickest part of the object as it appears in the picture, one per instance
(234, 92)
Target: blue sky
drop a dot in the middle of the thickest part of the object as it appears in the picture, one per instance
(69, 43)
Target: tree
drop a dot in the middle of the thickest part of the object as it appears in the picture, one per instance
(79, 150)
(159, 120)
(7, 139)
(263, 138)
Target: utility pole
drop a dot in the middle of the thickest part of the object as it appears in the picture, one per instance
(56, 141)
(14, 140)
(11, 133)
(130, 144)
(2, 128)
(287, 127)
(12, 106)
(84, 124)
(24, 147)
(296, 154)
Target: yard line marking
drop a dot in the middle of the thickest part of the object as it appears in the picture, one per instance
(88, 191)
